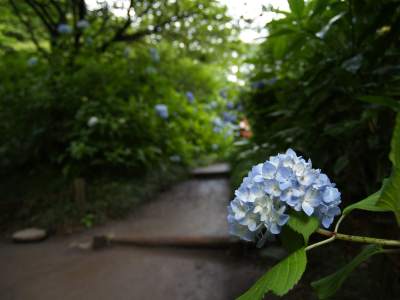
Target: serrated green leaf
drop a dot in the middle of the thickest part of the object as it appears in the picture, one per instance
(328, 286)
(369, 204)
(381, 100)
(394, 155)
(291, 240)
(280, 278)
(297, 7)
(303, 224)
(390, 195)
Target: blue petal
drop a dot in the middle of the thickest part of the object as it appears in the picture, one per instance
(327, 221)
(274, 229)
(268, 170)
(307, 208)
(283, 219)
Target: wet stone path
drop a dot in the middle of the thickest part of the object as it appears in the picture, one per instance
(58, 269)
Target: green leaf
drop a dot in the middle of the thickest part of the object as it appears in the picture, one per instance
(328, 286)
(381, 100)
(319, 7)
(390, 196)
(297, 7)
(280, 278)
(291, 240)
(394, 155)
(369, 204)
(303, 224)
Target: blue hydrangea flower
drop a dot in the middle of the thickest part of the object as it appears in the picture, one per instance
(162, 111)
(155, 56)
(175, 158)
(223, 94)
(82, 24)
(64, 28)
(230, 105)
(229, 117)
(32, 61)
(93, 120)
(190, 97)
(271, 189)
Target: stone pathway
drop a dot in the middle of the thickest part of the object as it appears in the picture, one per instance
(197, 207)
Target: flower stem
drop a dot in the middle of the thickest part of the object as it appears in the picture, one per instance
(352, 238)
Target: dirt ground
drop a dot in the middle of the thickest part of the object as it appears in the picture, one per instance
(57, 269)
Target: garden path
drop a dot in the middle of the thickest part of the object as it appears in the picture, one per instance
(57, 269)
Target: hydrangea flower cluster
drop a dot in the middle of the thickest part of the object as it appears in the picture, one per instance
(190, 97)
(32, 61)
(92, 121)
(82, 24)
(64, 28)
(284, 182)
(155, 56)
(162, 111)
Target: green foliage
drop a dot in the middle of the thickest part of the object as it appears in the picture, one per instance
(309, 75)
(390, 195)
(303, 224)
(385, 101)
(122, 96)
(394, 155)
(369, 204)
(80, 101)
(280, 278)
(327, 286)
(291, 239)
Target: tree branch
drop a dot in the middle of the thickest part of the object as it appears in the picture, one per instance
(44, 16)
(28, 27)
(144, 32)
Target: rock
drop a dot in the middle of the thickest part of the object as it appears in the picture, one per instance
(29, 235)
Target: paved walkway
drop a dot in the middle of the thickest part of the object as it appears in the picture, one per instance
(197, 207)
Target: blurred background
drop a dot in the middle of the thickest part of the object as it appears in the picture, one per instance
(106, 104)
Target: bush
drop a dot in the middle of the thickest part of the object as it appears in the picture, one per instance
(318, 63)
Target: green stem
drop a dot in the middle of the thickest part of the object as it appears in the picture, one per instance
(359, 239)
(351, 238)
(331, 239)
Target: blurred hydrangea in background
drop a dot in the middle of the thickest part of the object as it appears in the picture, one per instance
(64, 28)
(162, 111)
(190, 97)
(32, 61)
(82, 24)
(92, 121)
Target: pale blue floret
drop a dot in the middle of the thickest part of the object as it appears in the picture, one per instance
(190, 97)
(32, 61)
(82, 24)
(330, 194)
(284, 177)
(272, 187)
(155, 56)
(284, 182)
(64, 29)
(162, 111)
(311, 200)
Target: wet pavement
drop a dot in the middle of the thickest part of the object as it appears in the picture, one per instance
(57, 269)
